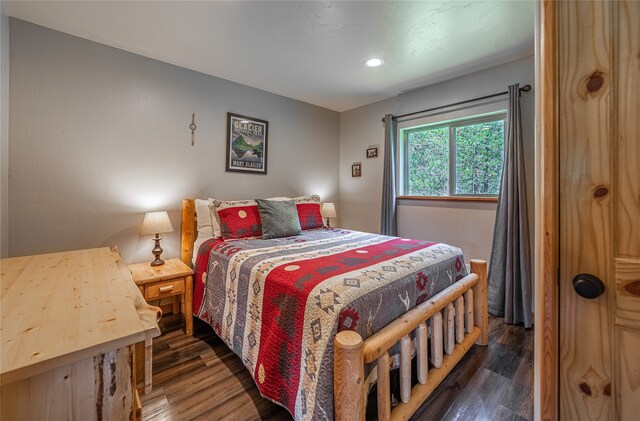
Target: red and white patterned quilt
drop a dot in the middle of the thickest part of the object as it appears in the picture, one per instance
(279, 303)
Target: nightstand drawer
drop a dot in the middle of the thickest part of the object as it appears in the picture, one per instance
(164, 289)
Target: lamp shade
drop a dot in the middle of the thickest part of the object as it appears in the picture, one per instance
(329, 210)
(156, 223)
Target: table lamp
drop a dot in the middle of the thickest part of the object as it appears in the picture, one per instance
(328, 211)
(156, 223)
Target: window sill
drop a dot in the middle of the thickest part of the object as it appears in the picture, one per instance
(451, 198)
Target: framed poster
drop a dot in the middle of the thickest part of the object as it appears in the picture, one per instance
(372, 152)
(246, 144)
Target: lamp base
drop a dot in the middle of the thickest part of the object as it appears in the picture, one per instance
(157, 251)
(157, 262)
(328, 223)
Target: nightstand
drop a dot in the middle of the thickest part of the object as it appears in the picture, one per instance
(173, 279)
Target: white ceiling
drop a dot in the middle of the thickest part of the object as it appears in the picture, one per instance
(308, 50)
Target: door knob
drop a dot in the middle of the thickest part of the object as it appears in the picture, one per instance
(588, 286)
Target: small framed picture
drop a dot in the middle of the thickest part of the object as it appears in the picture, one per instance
(372, 152)
(356, 169)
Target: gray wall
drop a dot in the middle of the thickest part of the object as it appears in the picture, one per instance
(466, 224)
(4, 134)
(99, 136)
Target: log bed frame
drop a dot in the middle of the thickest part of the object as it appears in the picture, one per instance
(465, 322)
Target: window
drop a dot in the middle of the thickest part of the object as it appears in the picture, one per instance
(458, 158)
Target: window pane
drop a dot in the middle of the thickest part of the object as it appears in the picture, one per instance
(428, 166)
(479, 156)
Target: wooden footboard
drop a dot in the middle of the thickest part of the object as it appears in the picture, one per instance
(465, 322)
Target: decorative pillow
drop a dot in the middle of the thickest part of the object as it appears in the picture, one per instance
(215, 219)
(238, 218)
(279, 218)
(309, 212)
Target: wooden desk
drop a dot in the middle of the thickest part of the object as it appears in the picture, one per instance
(69, 323)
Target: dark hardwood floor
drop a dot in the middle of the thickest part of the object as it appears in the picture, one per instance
(490, 383)
(200, 378)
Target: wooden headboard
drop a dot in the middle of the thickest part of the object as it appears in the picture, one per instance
(188, 231)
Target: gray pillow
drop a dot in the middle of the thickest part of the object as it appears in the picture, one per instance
(279, 218)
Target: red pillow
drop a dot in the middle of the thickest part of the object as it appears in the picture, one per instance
(239, 219)
(309, 215)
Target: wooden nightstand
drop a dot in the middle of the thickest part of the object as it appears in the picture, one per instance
(172, 279)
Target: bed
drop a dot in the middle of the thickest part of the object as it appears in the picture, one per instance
(320, 317)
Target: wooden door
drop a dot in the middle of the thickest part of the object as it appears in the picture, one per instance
(598, 118)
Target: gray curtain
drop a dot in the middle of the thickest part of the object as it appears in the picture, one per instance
(388, 223)
(510, 267)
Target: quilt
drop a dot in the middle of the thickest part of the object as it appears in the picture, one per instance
(279, 303)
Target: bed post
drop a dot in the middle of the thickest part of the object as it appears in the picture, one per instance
(188, 231)
(348, 376)
(480, 310)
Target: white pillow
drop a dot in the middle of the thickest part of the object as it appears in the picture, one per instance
(279, 198)
(205, 228)
(215, 219)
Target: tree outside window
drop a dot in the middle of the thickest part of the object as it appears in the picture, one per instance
(463, 158)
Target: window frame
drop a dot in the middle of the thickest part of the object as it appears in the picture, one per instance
(452, 125)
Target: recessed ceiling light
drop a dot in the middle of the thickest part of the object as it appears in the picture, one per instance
(374, 62)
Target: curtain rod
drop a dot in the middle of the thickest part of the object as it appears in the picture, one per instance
(525, 88)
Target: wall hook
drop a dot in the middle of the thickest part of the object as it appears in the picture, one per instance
(193, 127)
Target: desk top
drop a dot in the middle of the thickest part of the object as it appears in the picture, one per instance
(60, 308)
